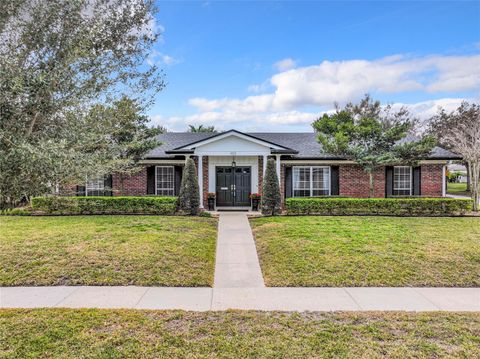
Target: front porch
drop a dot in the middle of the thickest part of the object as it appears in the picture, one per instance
(232, 166)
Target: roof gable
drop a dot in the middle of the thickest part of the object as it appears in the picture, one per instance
(239, 138)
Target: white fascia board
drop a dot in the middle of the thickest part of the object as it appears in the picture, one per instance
(161, 162)
(317, 162)
(341, 162)
(228, 134)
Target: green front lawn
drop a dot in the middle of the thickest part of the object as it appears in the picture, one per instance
(107, 250)
(459, 189)
(91, 333)
(369, 251)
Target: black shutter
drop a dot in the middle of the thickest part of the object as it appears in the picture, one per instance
(417, 181)
(107, 183)
(80, 191)
(335, 180)
(151, 180)
(178, 179)
(388, 181)
(288, 182)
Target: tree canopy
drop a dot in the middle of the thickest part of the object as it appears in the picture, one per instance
(201, 128)
(372, 136)
(459, 131)
(58, 60)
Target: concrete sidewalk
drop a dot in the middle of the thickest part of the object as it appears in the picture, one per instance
(281, 299)
(236, 264)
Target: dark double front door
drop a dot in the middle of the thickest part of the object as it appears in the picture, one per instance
(233, 185)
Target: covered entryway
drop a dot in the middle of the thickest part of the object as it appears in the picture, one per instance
(232, 169)
(233, 186)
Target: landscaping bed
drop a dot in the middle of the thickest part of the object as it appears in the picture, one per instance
(105, 205)
(316, 251)
(420, 206)
(107, 250)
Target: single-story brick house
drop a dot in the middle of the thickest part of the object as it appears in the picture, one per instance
(232, 165)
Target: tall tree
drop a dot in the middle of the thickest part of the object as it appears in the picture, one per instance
(189, 197)
(201, 128)
(371, 135)
(271, 199)
(460, 131)
(128, 137)
(440, 125)
(59, 58)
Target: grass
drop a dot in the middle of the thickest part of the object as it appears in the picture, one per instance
(459, 189)
(369, 251)
(107, 250)
(93, 333)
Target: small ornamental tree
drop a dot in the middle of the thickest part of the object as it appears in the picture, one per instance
(371, 136)
(189, 197)
(271, 200)
(129, 137)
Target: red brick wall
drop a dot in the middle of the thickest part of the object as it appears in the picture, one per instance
(354, 181)
(431, 180)
(134, 185)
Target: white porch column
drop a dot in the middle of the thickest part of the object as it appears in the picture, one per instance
(277, 157)
(200, 178)
(444, 182)
(265, 157)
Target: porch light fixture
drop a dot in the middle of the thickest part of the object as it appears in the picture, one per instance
(234, 164)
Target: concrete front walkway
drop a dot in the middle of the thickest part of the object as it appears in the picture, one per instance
(282, 299)
(236, 264)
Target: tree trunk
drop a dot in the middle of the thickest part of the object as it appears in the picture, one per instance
(371, 192)
(121, 178)
(468, 177)
(475, 183)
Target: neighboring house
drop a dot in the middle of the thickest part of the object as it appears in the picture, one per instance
(231, 164)
(462, 170)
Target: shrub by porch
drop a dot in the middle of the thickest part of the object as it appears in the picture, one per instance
(378, 206)
(105, 205)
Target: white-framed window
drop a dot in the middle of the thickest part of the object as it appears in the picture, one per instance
(164, 180)
(95, 186)
(311, 181)
(402, 181)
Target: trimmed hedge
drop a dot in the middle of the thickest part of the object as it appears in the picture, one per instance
(105, 205)
(378, 206)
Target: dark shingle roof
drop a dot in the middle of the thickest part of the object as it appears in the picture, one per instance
(305, 143)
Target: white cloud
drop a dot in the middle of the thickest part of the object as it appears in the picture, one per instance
(285, 64)
(284, 120)
(280, 100)
(159, 58)
(258, 88)
(343, 81)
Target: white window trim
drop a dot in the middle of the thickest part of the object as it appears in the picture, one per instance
(94, 189)
(410, 189)
(311, 179)
(156, 187)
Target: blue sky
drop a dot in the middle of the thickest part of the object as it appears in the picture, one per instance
(275, 66)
